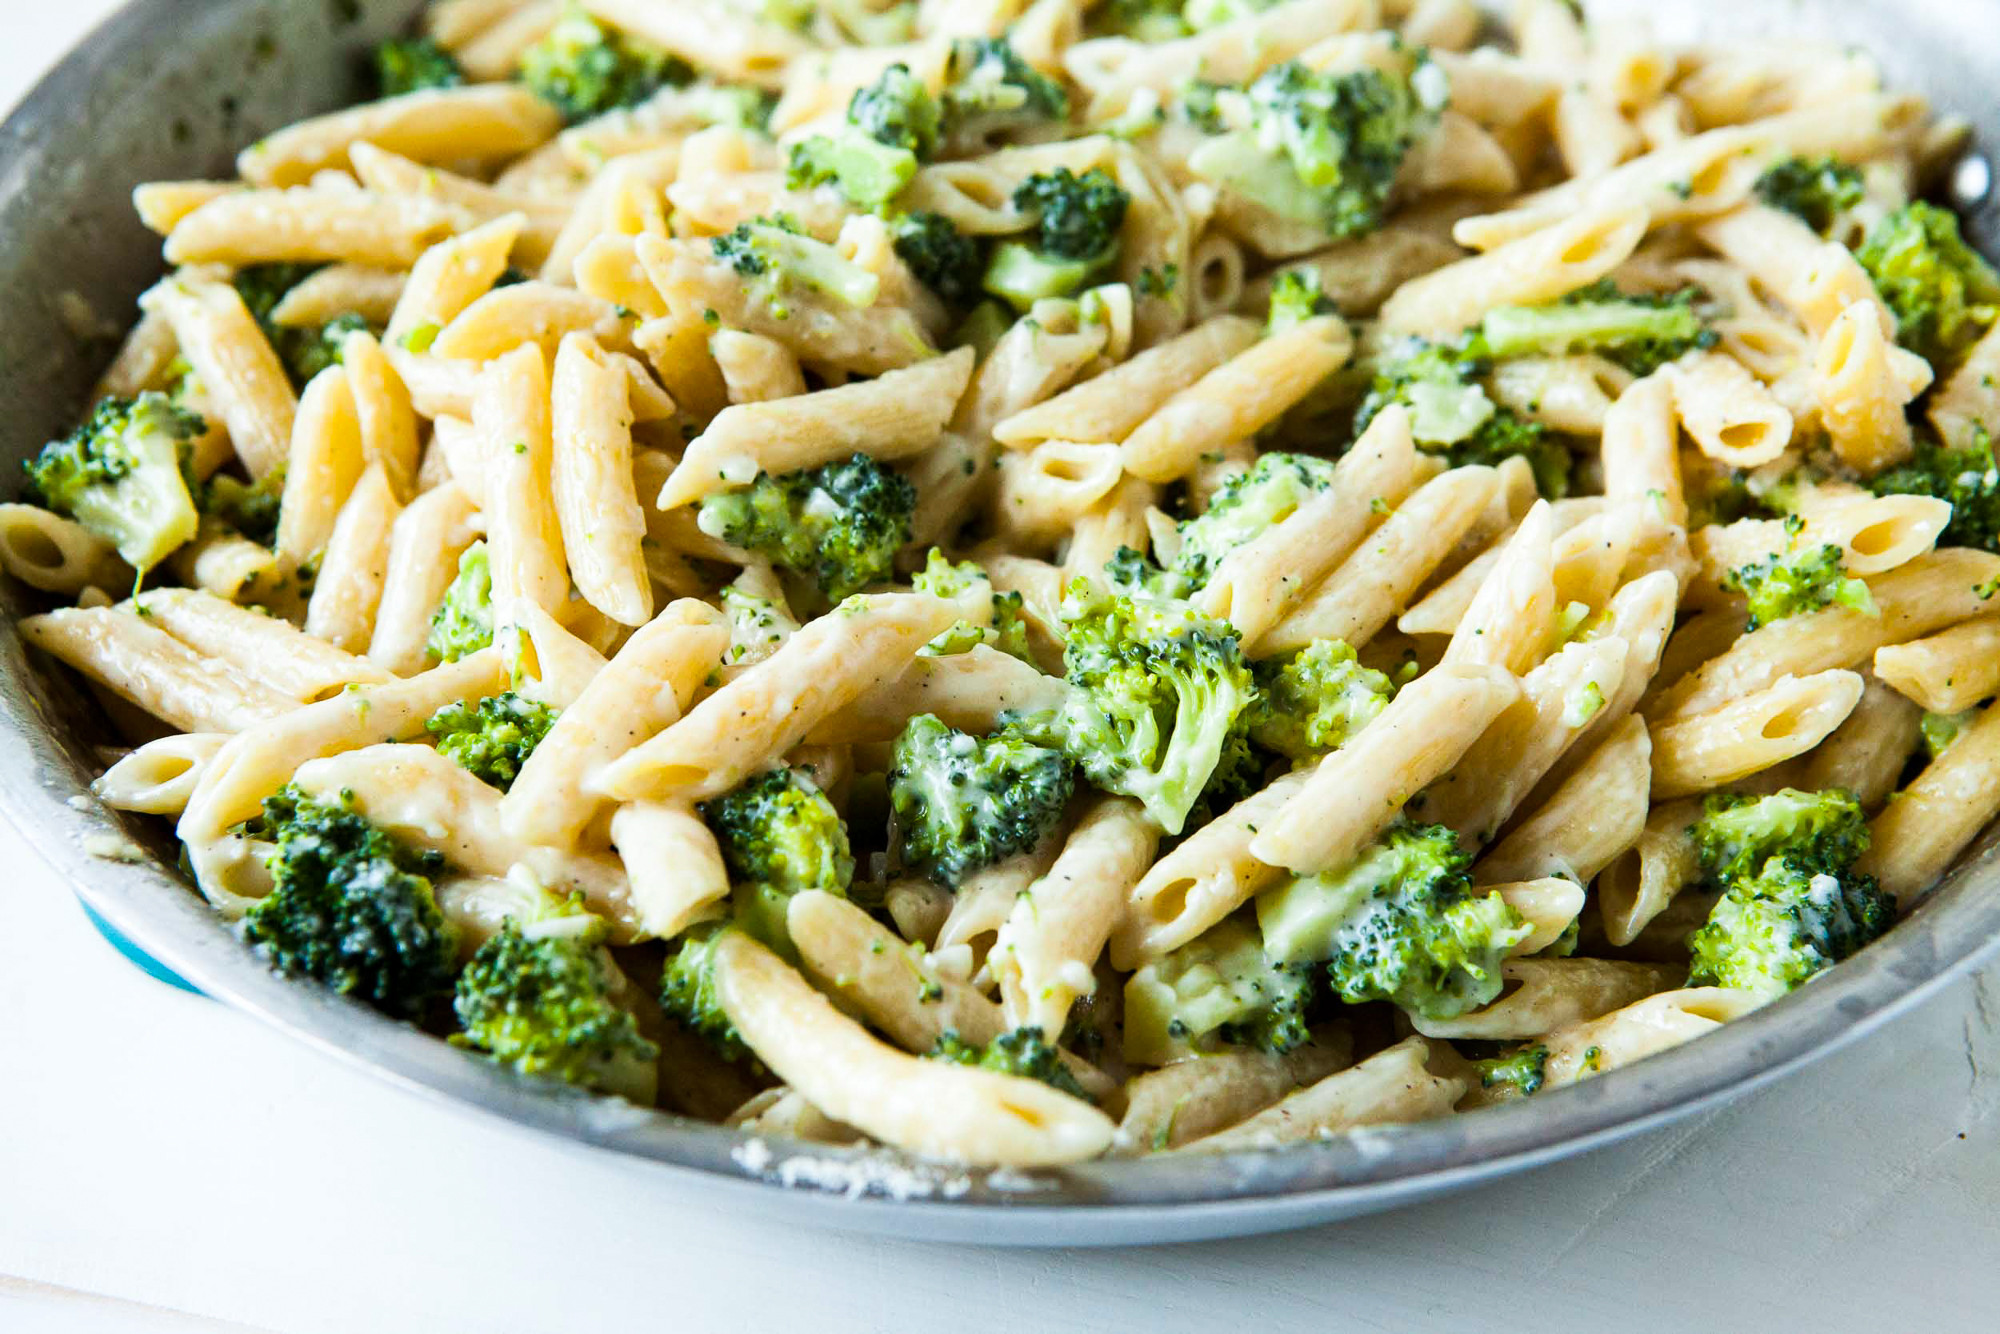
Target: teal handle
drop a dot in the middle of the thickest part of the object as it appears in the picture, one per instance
(145, 962)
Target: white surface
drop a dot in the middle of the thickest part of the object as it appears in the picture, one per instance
(166, 1166)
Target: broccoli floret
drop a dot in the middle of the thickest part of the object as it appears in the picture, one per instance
(494, 738)
(412, 64)
(541, 999)
(1295, 298)
(463, 623)
(1639, 333)
(1221, 984)
(892, 127)
(687, 991)
(1964, 477)
(942, 257)
(1798, 581)
(1245, 508)
(868, 173)
(312, 350)
(1323, 149)
(123, 475)
(1939, 730)
(737, 106)
(1008, 631)
(1517, 1074)
(779, 829)
(779, 836)
(1819, 831)
(1142, 20)
(757, 624)
(1774, 930)
(1201, 15)
(251, 508)
(1077, 223)
(584, 68)
(841, 524)
(1024, 1052)
(1076, 217)
(964, 802)
(898, 110)
(1944, 294)
(1816, 191)
(1399, 924)
(1132, 571)
(1451, 414)
(1311, 701)
(993, 91)
(1161, 695)
(263, 286)
(305, 350)
(350, 906)
(778, 258)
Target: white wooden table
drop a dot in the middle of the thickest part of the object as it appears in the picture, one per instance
(166, 1165)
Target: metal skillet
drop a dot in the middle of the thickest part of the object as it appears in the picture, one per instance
(169, 89)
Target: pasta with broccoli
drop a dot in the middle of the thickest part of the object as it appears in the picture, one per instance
(1027, 582)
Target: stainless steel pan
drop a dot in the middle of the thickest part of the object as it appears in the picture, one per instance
(171, 88)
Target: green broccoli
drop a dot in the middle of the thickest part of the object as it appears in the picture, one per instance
(1775, 929)
(584, 68)
(1201, 15)
(1451, 414)
(494, 738)
(1161, 694)
(1133, 571)
(1965, 477)
(542, 999)
(778, 258)
(841, 524)
(1517, 1074)
(123, 475)
(892, 128)
(305, 350)
(737, 106)
(1245, 508)
(1008, 630)
(757, 624)
(1219, 987)
(1323, 150)
(1295, 298)
(263, 286)
(1943, 293)
(1816, 191)
(1821, 831)
(463, 623)
(1023, 1052)
(1398, 924)
(963, 802)
(992, 91)
(779, 829)
(413, 64)
(1639, 333)
(1077, 225)
(779, 836)
(350, 906)
(251, 508)
(1311, 701)
(1794, 582)
(942, 257)
(1939, 730)
(687, 991)
(1792, 905)
(1141, 20)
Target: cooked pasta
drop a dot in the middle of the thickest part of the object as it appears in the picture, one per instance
(1019, 588)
